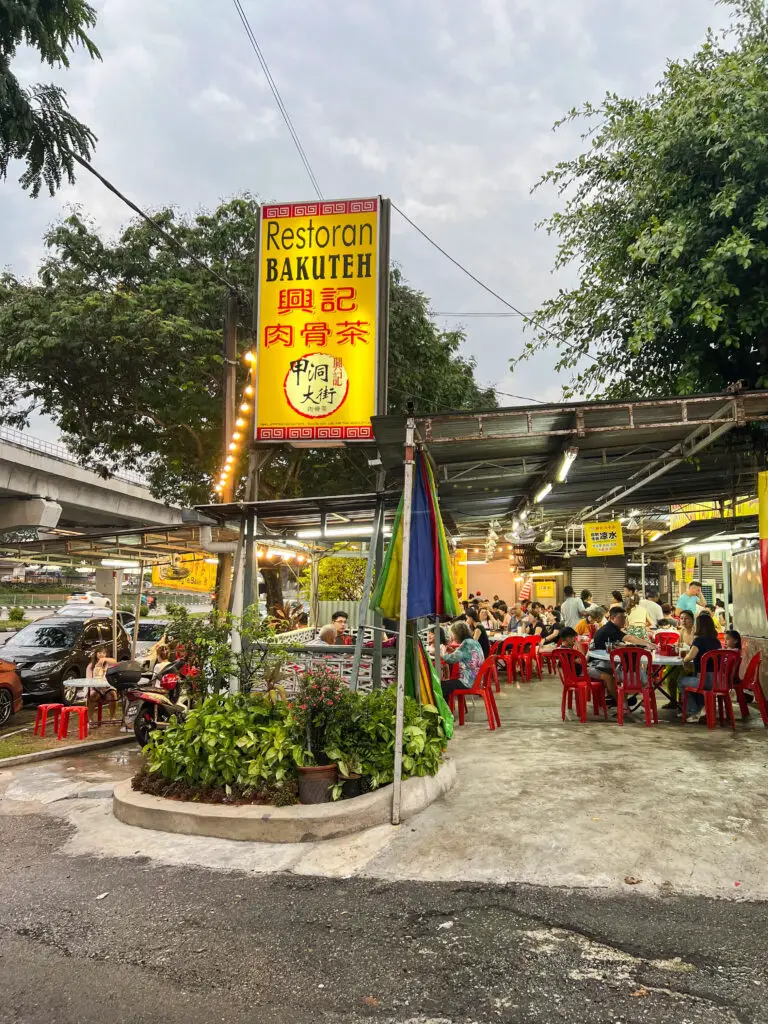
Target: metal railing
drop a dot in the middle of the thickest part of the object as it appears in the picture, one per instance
(63, 454)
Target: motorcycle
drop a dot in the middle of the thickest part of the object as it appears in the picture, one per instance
(152, 706)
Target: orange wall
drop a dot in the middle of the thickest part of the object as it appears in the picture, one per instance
(493, 578)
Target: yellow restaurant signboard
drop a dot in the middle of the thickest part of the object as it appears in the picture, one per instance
(188, 572)
(604, 539)
(322, 295)
(546, 590)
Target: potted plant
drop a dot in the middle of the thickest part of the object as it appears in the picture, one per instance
(318, 697)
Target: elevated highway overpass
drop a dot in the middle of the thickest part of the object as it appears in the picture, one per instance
(31, 468)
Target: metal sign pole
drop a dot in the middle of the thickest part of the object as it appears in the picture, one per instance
(139, 593)
(366, 598)
(114, 614)
(402, 638)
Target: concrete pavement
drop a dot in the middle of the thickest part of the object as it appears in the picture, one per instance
(436, 922)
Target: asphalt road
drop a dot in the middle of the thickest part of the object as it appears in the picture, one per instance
(193, 945)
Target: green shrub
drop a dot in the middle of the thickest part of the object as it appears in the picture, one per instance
(361, 738)
(15, 614)
(246, 740)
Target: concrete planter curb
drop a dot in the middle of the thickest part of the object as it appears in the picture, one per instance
(81, 748)
(298, 824)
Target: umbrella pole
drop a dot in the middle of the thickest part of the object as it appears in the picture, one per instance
(402, 638)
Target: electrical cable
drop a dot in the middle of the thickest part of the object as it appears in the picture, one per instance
(160, 230)
(278, 98)
(487, 288)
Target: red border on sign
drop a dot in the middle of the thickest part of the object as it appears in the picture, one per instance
(299, 412)
(332, 208)
(314, 434)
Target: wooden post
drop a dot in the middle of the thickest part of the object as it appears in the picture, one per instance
(402, 637)
(228, 418)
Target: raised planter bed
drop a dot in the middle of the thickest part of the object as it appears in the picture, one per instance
(297, 824)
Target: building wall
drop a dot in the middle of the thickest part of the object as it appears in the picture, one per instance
(493, 578)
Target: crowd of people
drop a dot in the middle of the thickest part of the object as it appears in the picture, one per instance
(628, 618)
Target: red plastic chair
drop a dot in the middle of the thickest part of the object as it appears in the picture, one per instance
(41, 718)
(666, 637)
(627, 665)
(528, 658)
(751, 681)
(483, 688)
(572, 668)
(494, 653)
(508, 651)
(81, 713)
(724, 668)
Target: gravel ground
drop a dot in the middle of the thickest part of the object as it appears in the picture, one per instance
(191, 945)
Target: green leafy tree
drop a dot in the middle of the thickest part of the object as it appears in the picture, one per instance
(35, 124)
(666, 218)
(120, 343)
(338, 579)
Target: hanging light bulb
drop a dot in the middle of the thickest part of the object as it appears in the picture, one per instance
(233, 447)
(236, 435)
(240, 422)
(245, 407)
(249, 390)
(250, 357)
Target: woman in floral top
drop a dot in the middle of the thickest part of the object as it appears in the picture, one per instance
(468, 656)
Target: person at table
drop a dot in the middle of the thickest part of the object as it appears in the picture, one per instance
(339, 623)
(513, 619)
(668, 620)
(567, 638)
(692, 600)
(468, 655)
(488, 620)
(97, 670)
(627, 594)
(654, 610)
(431, 641)
(613, 632)
(328, 635)
(638, 620)
(553, 628)
(704, 641)
(533, 623)
(616, 598)
(478, 632)
(591, 622)
(572, 609)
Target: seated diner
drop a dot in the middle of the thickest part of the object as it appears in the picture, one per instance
(468, 655)
(611, 635)
(705, 640)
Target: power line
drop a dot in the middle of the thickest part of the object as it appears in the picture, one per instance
(160, 230)
(441, 313)
(487, 288)
(278, 98)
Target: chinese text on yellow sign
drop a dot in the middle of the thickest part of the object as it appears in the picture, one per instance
(318, 319)
(604, 539)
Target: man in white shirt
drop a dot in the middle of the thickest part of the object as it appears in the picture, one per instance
(572, 609)
(652, 607)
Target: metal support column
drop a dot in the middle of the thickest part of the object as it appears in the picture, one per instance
(378, 527)
(402, 638)
(642, 557)
(139, 592)
(114, 614)
(727, 586)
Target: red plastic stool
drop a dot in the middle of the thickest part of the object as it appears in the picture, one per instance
(41, 718)
(82, 716)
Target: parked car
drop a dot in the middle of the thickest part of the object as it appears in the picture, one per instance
(89, 597)
(152, 634)
(52, 650)
(11, 693)
(81, 611)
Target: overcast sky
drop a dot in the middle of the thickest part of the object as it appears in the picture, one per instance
(446, 106)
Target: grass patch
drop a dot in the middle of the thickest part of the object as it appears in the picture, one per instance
(28, 743)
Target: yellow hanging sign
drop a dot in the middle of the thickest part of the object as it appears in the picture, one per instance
(188, 572)
(546, 590)
(322, 272)
(604, 539)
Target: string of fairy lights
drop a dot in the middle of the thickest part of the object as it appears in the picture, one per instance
(240, 432)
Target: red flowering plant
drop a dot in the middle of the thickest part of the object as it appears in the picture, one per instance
(317, 699)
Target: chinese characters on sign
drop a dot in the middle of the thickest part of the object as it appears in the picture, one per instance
(603, 539)
(319, 272)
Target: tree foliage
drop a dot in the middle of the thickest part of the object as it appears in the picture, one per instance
(35, 124)
(338, 579)
(120, 343)
(666, 219)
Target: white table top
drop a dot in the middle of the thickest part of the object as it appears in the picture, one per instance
(658, 659)
(88, 684)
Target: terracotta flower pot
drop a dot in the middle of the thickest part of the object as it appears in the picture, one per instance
(315, 782)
